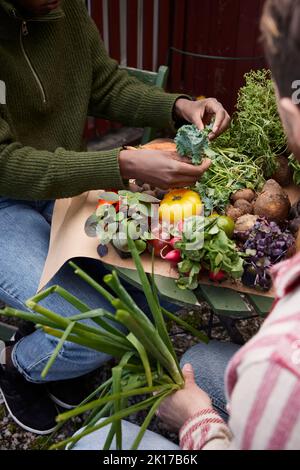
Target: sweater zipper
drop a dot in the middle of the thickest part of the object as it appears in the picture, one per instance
(24, 32)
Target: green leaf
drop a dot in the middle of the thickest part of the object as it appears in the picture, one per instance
(121, 244)
(122, 414)
(147, 421)
(185, 266)
(140, 246)
(148, 199)
(90, 227)
(116, 389)
(144, 357)
(57, 350)
(186, 326)
(109, 197)
(219, 259)
(192, 143)
(120, 216)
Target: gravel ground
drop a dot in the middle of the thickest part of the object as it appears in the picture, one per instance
(13, 438)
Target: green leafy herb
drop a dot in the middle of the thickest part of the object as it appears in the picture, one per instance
(110, 225)
(295, 165)
(205, 246)
(193, 143)
(256, 129)
(229, 172)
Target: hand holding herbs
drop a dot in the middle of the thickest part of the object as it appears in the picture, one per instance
(200, 112)
(160, 168)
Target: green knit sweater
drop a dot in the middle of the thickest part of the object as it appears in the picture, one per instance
(54, 72)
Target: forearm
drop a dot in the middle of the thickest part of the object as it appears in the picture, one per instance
(127, 100)
(118, 97)
(28, 173)
(205, 431)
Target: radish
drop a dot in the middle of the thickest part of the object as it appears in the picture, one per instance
(173, 242)
(174, 256)
(217, 277)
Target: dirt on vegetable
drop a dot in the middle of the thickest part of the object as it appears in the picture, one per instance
(273, 203)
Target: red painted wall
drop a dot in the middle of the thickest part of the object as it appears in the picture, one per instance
(228, 28)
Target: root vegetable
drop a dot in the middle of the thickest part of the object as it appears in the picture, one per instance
(295, 225)
(244, 194)
(298, 243)
(284, 174)
(295, 211)
(245, 206)
(245, 223)
(135, 188)
(163, 145)
(150, 193)
(234, 213)
(273, 203)
(160, 193)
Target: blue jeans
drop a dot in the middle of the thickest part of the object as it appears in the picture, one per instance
(209, 363)
(24, 242)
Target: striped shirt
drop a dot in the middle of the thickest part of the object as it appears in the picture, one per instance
(262, 382)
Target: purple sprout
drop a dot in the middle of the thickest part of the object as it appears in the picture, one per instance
(267, 245)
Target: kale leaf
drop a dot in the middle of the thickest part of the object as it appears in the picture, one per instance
(193, 143)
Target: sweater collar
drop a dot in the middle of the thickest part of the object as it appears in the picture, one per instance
(13, 12)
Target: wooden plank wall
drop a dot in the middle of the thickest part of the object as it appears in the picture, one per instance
(153, 28)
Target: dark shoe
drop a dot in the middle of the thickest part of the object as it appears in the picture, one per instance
(28, 404)
(68, 394)
(24, 329)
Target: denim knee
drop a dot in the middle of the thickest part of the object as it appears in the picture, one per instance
(209, 363)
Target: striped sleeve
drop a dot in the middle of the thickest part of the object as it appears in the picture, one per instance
(206, 430)
(264, 414)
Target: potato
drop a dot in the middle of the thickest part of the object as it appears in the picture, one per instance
(284, 174)
(292, 251)
(150, 193)
(234, 213)
(295, 211)
(294, 225)
(245, 206)
(135, 188)
(244, 194)
(245, 223)
(298, 243)
(273, 203)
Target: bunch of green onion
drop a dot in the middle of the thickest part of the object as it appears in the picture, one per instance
(147, 365)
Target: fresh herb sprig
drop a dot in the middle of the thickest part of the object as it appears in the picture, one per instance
(229, 172)
(205, 245)
(256, 128)
(295, 165)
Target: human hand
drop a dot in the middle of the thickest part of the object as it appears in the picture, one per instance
(202, 112)
(177, 409)
(160, 168)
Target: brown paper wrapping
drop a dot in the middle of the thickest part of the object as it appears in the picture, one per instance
(68, 240)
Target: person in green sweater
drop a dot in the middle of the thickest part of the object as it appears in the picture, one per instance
(54, 72)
